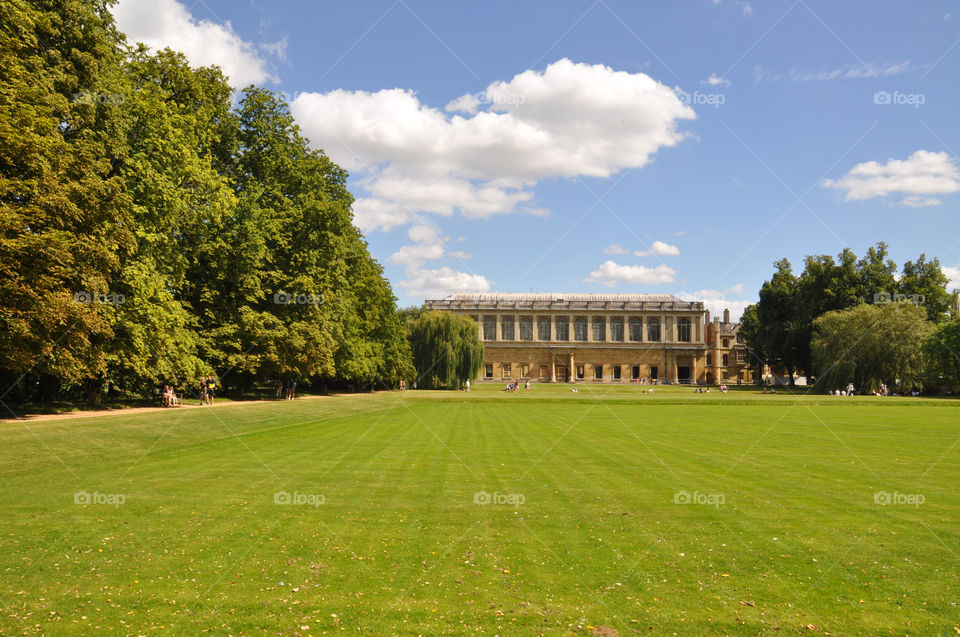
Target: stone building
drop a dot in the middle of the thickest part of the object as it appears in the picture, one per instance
(726, 353)
(641, 338)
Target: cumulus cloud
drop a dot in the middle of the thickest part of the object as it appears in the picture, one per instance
(441, 282)
(719, 300)
(610, 274)
(168, 23)
(922, 174)
(424, 282)
(659, 248)
(485, 152)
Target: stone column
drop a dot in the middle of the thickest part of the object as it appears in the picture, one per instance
(571, 371)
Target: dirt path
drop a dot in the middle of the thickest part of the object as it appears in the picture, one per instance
(129, 411)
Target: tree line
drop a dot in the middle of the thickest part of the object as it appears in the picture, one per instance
(156, 226)
(857, 320)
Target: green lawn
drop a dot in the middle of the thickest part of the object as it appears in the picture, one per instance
(384, 534)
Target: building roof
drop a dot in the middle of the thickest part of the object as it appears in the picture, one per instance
(510, 297)
(562, 300)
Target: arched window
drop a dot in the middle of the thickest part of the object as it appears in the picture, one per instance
(709, 360)
(526, 328)
(636, 330)
(726, 343)
(563, 328)
(506, 328)
(543, 328)
(653, 330)
(683, 329)
(616, 329)
(599, 328)
(489, 328)
(579, 329)
(726, 360)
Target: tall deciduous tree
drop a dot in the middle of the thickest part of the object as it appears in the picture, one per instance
(63, 205)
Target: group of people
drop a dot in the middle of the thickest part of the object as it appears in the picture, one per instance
(850, 391)
(169, 398)
(514, 385)
(706, 390)
(207, 386)
(286, 388)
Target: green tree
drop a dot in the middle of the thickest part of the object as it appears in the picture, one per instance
(174, 116)
(753, 335)
(925, 283)
(943, 351)
(446, 349)
(871, 344)
(63, 205)
(777, 318)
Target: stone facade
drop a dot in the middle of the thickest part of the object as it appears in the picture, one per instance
(610, 338)
(727, 360)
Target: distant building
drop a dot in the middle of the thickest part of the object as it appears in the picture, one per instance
(612, 338)
(727, 360)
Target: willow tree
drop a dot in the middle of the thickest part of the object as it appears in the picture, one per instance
(871, 344)
(446, 349)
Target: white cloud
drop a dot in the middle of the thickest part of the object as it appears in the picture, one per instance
(922, 174)
(915, 201)
(433, 283)
(610, 274)
(276, 49)
(436, 284)
(719, 300)
(168, 23)
(615, 249)
(659, 248)
(953, 273)
(485, 154)
(844, 72)
(713, 80)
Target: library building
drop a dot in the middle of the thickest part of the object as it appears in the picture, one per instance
(602, 338)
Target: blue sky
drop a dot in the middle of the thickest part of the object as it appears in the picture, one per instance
(676, 147)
